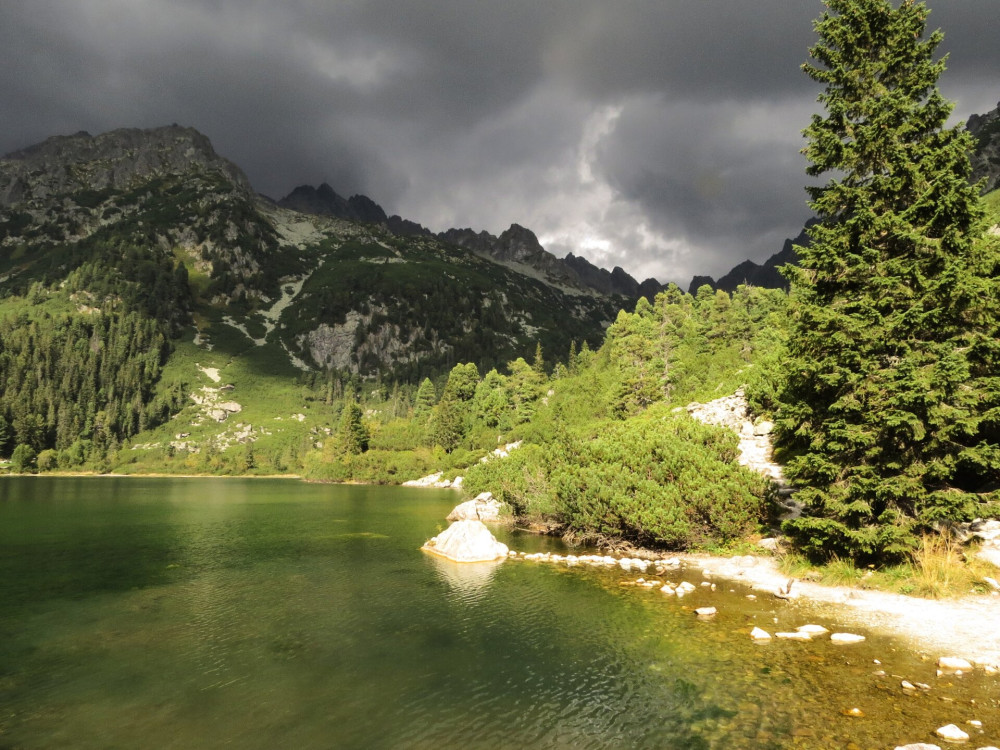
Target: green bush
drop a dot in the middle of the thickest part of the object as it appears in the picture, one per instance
(372, 467)
(22, 460)
(520, 481)
(658, 481)
(47, 460)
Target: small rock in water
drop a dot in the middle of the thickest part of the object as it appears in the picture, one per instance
(705, 611)
(918, 746)
(846, 638)
(952, 733)
(975, 723)
(954, 664)
(760, 635)
(907, 685)
(685, 587)
(855, 712)
(751, 597)
(812, 629)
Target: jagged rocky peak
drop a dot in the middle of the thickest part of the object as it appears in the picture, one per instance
(324, 201)
(517, 244)
(986, 156)
(478, 242)
(616, 281)
(118, 159)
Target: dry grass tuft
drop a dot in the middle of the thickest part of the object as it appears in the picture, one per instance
(939, 568)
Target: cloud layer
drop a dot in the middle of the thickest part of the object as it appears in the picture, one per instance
(662, 137)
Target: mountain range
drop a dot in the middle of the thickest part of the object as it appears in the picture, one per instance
(330, 283)
(334, 283)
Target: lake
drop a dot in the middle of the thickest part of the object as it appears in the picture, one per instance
(257, 613)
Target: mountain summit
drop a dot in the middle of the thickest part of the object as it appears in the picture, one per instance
(117, 160)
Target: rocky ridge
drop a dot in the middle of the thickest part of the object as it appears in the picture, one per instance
(116, 160)
(517, 246)
(986, 156)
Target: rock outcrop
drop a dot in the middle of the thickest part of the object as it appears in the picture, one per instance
(116, 160)
(756, 451)
(985, 158)
(435, 481)
(483, 507)
(467, 542)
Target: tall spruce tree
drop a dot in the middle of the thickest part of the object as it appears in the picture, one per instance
(892, 405)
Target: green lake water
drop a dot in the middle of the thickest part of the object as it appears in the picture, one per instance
(208, 613)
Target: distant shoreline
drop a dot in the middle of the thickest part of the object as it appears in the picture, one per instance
(152, 475)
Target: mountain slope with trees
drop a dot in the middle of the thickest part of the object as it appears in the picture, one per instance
(151, 232)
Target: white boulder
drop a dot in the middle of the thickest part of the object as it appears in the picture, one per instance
(918, 746)
(760, 635)
(685, 588)
(467, 541)
(954, 664)
(812, 629)
(952, 733)
(483, 507)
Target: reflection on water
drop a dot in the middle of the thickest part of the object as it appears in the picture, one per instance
(207, 613)
(468, 580)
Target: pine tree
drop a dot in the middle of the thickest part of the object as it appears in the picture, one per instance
(453, 412)
(352, 435)
(635, 351)
(891, 408)
(538, 364)
(425, 400)
(5, 435)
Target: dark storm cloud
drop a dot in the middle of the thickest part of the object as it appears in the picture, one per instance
(659, 136)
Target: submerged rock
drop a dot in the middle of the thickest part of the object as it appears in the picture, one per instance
(796, 636)
(466, 541)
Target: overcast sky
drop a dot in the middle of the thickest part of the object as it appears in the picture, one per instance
(659, 135)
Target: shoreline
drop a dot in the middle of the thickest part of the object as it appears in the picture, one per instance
(967, 627)
(153, 475)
